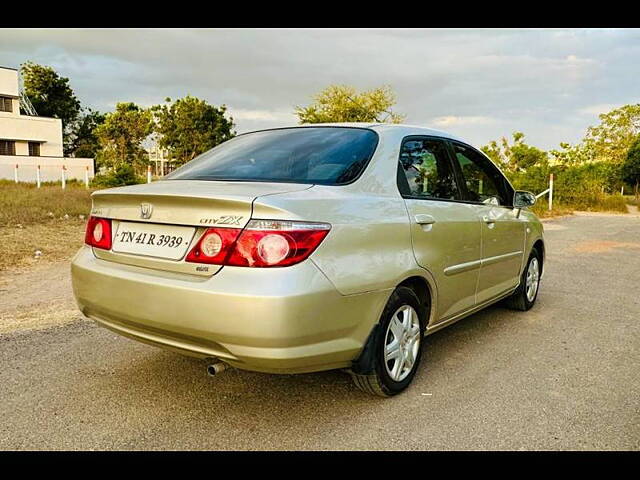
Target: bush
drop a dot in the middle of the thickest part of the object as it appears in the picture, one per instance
(615, 203)
(631, 200)
(120, 176)
(580, 187)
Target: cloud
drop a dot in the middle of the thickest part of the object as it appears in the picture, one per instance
(451, 120)
(480, 84)
(595, 110)
(263, 115)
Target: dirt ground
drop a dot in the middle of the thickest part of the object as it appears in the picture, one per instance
(36, 298)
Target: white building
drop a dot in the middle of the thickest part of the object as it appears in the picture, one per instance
(32, 142)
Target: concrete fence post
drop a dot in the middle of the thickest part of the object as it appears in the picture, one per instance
(551, 191)
(148, 173)
(38, 176)
(15, 173)
(86, 176)
(64, 180)
(622, 191)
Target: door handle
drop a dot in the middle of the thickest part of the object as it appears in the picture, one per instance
(489, 221)
(424, 219)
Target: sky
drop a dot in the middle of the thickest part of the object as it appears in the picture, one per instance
(478, 84)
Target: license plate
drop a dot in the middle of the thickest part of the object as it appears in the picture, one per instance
(153, 240)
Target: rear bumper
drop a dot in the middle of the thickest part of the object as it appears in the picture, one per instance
(279, 320)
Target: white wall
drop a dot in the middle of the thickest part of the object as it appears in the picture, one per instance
(50, 168)
(48, 131)
(25, 128)
(8, 82)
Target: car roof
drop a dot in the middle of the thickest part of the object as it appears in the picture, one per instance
(377, 126)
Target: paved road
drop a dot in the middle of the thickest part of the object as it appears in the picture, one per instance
(563, 376)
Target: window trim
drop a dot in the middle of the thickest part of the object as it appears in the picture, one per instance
(400, 174)
(460, 176)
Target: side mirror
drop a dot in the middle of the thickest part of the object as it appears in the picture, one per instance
(522, 199)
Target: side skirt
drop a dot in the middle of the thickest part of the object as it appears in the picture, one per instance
(466, 313)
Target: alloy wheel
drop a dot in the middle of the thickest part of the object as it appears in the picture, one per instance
(402, 343)
(533, 279)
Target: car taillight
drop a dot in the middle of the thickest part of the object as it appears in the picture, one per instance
(263, 243)
(214, 246)
(98, 233)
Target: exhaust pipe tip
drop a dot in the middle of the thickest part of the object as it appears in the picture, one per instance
(217, 368)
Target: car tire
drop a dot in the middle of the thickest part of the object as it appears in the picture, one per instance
(390, 370)
(527, 292)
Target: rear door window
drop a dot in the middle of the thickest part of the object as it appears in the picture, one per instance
(425, 169)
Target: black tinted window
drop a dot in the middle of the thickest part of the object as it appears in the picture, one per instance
(425, 170)
(322, 155)
(484, 183)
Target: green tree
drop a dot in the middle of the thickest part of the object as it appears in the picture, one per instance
(119, 176)
(631, 167)
(517, 156)
(121, 134)
(571, 154)
(51, 95)
(83, 141)
(190, 126)
(341, 103)
(610, 140)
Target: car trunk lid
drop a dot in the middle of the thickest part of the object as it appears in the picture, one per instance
(178, 204)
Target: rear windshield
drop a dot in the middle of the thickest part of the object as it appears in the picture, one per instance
(319, 155)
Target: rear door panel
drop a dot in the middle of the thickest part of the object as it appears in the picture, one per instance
(444, 230)
(450, 249)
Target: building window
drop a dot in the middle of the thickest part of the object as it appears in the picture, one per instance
(7, 147)
(6, 104)
(34, 149)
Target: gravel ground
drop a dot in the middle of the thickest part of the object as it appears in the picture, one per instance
(37, 298)
(561, 376)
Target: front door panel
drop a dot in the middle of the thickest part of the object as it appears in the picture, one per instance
(502, 251)
(502, 231)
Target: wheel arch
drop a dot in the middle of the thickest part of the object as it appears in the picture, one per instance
(425, 293)
(539, 246)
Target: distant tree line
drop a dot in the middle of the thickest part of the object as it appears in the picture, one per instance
(185, 127)
(607, 158)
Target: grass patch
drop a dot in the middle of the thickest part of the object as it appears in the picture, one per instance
(48, 219)
(595, 203)
(541, 210)
(25, 204)
(631, 200)
(613, 203)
